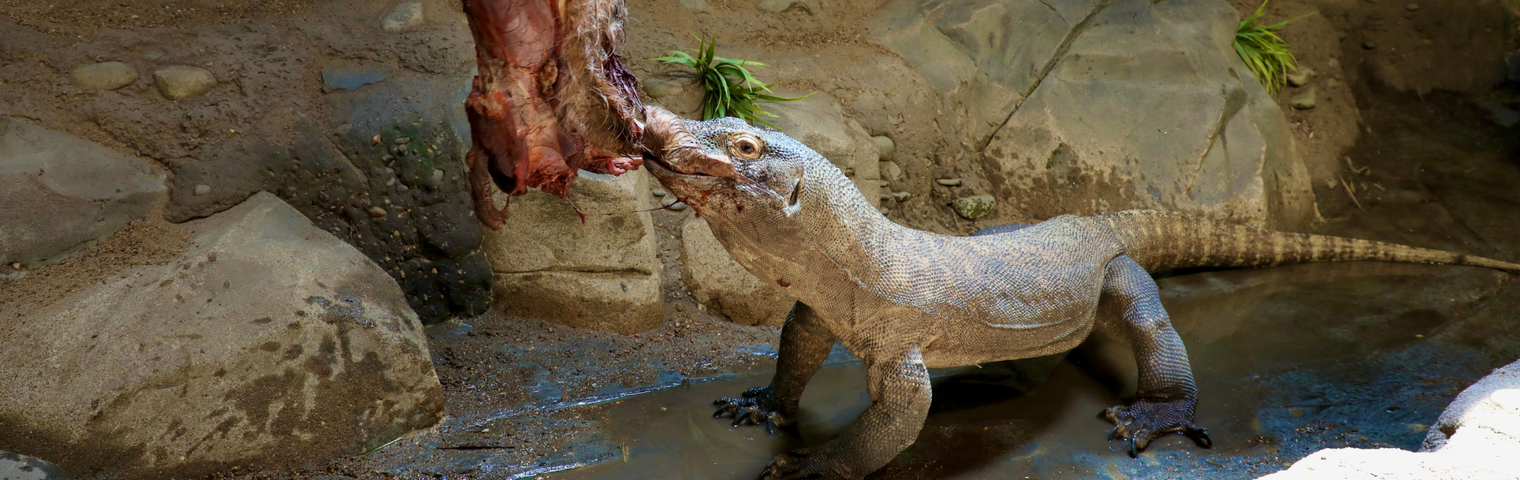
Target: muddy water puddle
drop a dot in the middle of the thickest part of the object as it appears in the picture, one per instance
(1288, 361)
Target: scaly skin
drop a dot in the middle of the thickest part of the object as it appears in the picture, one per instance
(904, 300)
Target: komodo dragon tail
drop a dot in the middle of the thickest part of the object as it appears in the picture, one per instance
(1166, 240)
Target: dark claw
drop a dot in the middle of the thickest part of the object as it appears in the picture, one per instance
(1201, 437)
(1113, 435)
(1134, 452)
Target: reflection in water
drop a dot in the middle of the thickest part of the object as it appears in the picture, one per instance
(1289, 360)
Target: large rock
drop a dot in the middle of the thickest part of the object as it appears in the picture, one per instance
(724, 286)
(61, 191)
(600, 274)
(268, 342)
(1081, 106)
(336, 173)
(820, 123)
(1478, 436)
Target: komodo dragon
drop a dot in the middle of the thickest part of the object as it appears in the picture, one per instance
(904, 300)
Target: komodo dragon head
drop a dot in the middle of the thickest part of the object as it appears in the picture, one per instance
(770, 171)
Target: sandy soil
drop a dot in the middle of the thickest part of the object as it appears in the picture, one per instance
(150, 241)
(80, 18)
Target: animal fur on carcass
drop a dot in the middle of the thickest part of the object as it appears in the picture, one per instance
(552, 97)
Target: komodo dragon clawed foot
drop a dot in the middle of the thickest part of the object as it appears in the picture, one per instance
(757, 406)
(1145, 420)
(798, 465)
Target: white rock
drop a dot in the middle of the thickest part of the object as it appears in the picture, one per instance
(269, 341)
(1478, 436)
(105, 75)
(182, 81)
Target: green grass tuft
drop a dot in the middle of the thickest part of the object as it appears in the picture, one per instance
(1264, 52)
(730, 90)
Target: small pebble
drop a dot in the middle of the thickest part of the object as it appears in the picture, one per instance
(1369, 44)
(972, 208)
(885, 197)
(678, 206)
(202, 190)
(376, 212)
(902, 196)
(949, 182)
(16, 265)
(403, 140)
(658, 192)
(1335, 63)
(885, 148)
(1300, 78)
(437, 176)
(105, 76)
(1412, 7)
(179, 81)
(1304, 101)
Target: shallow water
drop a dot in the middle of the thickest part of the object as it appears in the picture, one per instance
(1288, 361)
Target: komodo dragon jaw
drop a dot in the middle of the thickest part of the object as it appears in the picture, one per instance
(903, 300)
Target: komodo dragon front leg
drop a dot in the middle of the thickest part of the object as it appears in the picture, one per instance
(805, 343)
(896, 380)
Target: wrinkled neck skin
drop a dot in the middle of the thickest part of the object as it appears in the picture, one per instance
(817, 248)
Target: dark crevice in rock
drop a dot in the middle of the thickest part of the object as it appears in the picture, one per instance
(1234, 101)
(1061, 49)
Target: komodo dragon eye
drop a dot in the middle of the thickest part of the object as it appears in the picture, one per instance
(745, 146)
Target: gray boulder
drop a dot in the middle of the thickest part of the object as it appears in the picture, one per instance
(61, 191)
(1080, 106)
(267, 342)
(724, 286)
(1478, 436)
(601, 274)
(820, 123)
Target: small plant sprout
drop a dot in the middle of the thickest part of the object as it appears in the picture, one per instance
(1265, 53)
(729, 89)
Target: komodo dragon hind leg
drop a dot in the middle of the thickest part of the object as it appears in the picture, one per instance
(805, 343)
(1130, 310)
